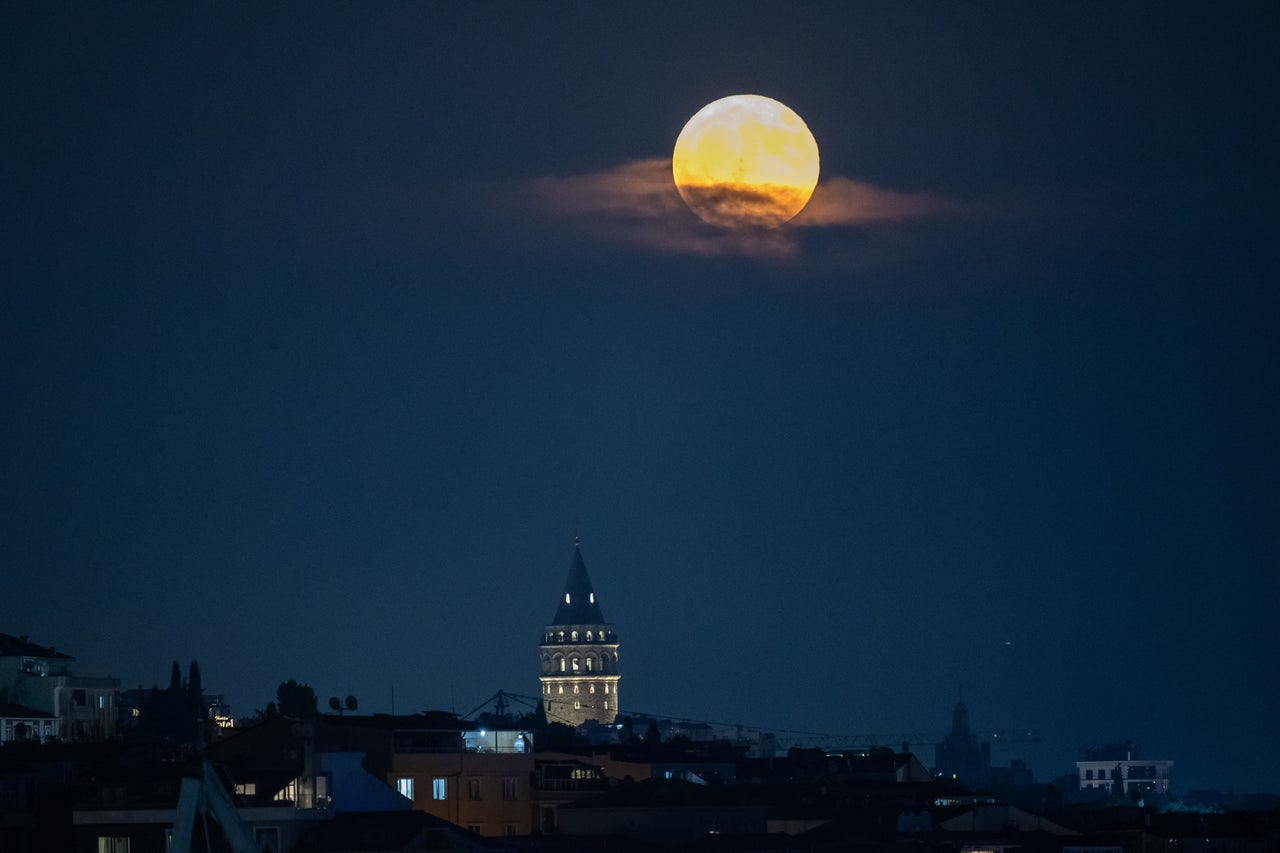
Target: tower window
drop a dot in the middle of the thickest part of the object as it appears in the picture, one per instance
(590, 661)
(606, 704)
(592, 596)
(562, 664)
(574, 636)
(588, 636)
(577, 705)
(575, 664)
(593, 687)
(566, 598)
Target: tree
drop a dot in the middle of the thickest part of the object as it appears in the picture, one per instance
(175, 679)
(194, 689)
(296, 700)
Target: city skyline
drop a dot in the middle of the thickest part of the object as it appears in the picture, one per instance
(324, 331)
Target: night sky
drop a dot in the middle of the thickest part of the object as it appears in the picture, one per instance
(325, 328)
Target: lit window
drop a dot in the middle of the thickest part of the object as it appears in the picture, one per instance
(592, 596)
(588, 636)
(577, 705)
(606, 689)
(566, 598)
(590, 661)
(113, 844)
(575, 688)
(561, 688)
(247, 789)
(575, 664)
(439, 789)
(573, 635)
(562, 664)
(593, 685)
(405, 787)
(561, 635)
(606, 704)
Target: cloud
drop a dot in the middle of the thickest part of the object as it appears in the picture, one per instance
(637, 203)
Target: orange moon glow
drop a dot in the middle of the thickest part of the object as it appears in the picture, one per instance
(745, 161)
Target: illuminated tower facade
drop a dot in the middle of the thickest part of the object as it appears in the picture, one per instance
(579, 655)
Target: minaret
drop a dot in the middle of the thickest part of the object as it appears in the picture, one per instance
(579, 652)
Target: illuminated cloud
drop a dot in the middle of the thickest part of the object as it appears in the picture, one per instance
(637, 203)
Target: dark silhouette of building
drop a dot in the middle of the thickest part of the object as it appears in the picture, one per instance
(579, 655)
(960, 757)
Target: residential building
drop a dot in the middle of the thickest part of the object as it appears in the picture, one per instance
(39, 678)
(1103, 768)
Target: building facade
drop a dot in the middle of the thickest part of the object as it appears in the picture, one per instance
(1119, 768)
(579, 655)
(39, 678)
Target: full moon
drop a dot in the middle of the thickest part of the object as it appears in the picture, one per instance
(745, 161)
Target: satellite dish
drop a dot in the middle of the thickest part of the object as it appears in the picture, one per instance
(351, 703)
(333, 703)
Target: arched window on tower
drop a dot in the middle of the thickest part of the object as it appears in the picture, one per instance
(562, 664)
(575, 664)
(588, 636)
(562, 636)
(591, 661)
(574, 636)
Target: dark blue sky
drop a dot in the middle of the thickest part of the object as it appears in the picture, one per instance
(312, 368)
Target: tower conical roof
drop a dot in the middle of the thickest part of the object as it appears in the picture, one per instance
(578, 601)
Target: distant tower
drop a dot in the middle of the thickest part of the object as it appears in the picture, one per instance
(579, 652)
(960, 757)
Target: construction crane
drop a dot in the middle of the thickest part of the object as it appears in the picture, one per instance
(207, 797)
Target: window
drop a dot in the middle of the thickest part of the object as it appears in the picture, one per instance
(439, 789)
(590, 662)
(606, 690)
(575, 664)
(561, 688)
(593, 687)
(575, 688)
(509, 829)
(473, 789)
(405, 787)
(592, 597)
(577, 706)
(474, 827)
(1088, 774)
(562, 664)
(508, 787)
(268, 838)
(588, 636)
(573, 635)
(606, 704)
(566, 598)
(113, 844)
(247, 789)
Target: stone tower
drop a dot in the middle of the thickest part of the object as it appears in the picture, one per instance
(579, 652)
